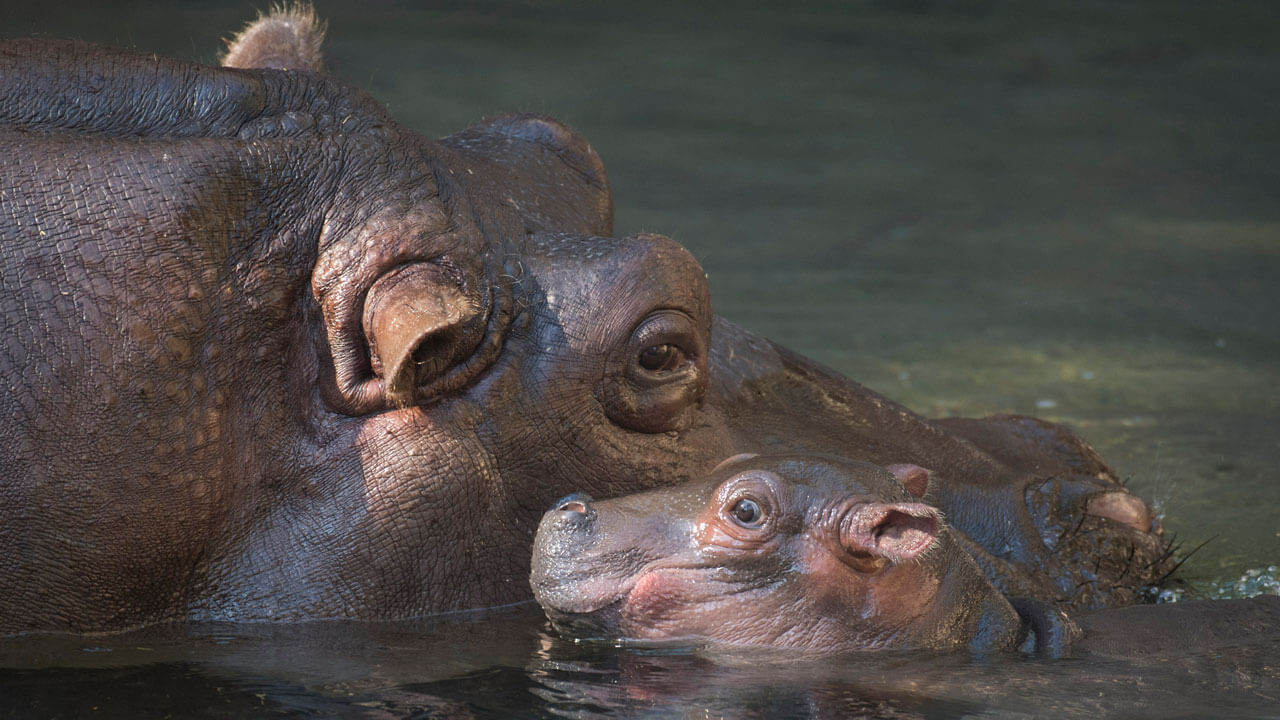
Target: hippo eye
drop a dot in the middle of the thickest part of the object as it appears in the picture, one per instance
(656, 379)
(661, 358)
(747, 512)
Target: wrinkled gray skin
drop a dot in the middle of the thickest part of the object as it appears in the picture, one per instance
(268, 355)
(792, 552)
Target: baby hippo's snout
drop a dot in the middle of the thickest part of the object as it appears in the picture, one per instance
(568, 539)
(564, 532)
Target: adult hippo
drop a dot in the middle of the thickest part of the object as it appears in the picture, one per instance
(269, 355)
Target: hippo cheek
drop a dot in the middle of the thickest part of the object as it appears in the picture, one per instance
(667, 603)
(674, 604)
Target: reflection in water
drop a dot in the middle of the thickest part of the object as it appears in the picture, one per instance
(578, 682)
(178, 690)
(507, 665)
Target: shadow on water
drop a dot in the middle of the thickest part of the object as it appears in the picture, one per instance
(1063, 209)
(505, 664)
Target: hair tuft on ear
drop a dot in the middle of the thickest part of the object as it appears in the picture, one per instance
(286, 38)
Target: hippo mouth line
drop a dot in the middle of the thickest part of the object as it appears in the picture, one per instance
(568, 593)
(597, 594)
(650, 592)
(636, 603)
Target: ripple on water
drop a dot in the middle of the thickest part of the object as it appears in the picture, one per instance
(1254, 582)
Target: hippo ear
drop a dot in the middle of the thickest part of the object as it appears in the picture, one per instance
(419, 322)
(913, 477)
(287, 38)
(873, 533)
(734, 459)
(545, 170)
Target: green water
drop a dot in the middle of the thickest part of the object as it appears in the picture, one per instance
(1063, 209)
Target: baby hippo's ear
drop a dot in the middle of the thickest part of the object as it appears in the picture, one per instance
(878, 533)
(913, 477)
(288, 38)
(733, 459)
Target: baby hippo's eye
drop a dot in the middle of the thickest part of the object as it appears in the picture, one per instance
(661, 358)
(747, 513)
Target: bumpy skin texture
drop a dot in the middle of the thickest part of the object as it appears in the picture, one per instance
(267, 355)
(801, 553)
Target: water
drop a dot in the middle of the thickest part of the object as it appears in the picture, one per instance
(1063, 209)
(504, 664)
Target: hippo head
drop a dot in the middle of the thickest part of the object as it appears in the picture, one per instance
(796, 552)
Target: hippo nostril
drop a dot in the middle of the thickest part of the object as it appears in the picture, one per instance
(576, 503)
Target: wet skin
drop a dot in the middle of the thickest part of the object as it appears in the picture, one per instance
(271, 356)
(823, 555)
(786, 552)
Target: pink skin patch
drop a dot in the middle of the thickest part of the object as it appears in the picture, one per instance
(652, 598)
(913, 477)
(660, 600)
(649, 596)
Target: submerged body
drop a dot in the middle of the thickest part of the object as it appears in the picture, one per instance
(264, 348)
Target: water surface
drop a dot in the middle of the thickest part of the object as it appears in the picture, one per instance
(502, 664)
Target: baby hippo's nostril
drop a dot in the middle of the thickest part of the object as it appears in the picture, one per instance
(1123, 508)
(575, 503)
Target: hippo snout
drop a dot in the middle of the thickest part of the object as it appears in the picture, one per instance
(571, 515)
(567, 538)
(566, 530)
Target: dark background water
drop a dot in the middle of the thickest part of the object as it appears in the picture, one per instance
(1064, 209)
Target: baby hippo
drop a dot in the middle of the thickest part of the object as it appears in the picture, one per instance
(809, 553)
